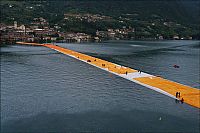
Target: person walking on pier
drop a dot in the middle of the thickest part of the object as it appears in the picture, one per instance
(177, 94)
(182, 100)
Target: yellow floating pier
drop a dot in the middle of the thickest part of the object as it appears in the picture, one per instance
(188, 94)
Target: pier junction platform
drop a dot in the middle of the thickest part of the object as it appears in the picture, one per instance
(188, 95)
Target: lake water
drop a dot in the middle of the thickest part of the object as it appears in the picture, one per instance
(45, 91)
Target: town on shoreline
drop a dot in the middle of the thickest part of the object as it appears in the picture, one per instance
(96, 21)
(39, 31)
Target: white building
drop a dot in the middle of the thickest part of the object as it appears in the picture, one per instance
(22, 27)
(15, 24)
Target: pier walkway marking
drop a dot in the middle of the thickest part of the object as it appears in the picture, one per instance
(190, 95)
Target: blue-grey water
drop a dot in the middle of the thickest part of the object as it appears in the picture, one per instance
(45, 91)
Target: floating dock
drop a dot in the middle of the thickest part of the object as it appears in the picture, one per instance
(188, 94)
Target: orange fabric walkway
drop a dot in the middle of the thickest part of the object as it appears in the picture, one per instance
(190, 95)
(92, 60)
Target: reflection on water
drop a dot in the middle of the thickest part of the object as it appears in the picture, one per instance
(42, 90)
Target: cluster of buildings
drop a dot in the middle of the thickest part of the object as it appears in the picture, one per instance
(74, 37)
(13, 33)
(39, 21)
(38, 31)
(87, 17)
(116, 34)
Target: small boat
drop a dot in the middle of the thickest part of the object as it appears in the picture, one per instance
(176, 66)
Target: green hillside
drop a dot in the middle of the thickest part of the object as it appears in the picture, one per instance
(182, 15)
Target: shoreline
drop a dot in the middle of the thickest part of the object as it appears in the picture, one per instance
(103, 41)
